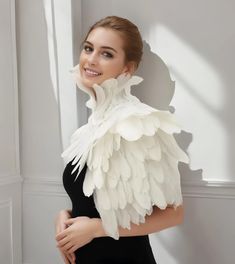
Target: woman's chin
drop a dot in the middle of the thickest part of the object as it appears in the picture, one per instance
(90, 82)
(86, 82)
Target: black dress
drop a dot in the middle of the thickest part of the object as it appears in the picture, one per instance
(103, 250)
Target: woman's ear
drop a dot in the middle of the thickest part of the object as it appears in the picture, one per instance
(130, 67)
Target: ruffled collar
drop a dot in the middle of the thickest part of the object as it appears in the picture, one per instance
(108, 92)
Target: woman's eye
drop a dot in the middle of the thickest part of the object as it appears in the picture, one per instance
(87, 48)
(107, 54)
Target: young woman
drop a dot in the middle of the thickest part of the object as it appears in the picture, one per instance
(121, 173)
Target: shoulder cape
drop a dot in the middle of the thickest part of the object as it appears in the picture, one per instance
(131, 154)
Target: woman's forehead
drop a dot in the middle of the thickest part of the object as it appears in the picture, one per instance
(105, 37)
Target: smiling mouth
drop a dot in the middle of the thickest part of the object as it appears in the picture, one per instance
(91, 72)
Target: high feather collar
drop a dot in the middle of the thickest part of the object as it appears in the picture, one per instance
(109, 92)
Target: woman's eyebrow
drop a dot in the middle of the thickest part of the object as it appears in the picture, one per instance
(103, 47)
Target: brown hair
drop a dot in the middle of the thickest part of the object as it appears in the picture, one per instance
(133, 44)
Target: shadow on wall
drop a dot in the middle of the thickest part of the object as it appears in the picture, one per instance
(157, 82)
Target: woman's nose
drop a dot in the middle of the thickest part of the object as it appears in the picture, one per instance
(92, 58)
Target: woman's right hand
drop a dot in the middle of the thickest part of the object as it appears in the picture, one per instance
(60, 226)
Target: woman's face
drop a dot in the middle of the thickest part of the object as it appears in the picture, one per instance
(102, 57)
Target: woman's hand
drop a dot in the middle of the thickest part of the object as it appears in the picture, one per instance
(68, 258)
(80, 232)
(60, 226)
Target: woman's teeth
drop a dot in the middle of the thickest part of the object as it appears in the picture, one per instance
(91, 72)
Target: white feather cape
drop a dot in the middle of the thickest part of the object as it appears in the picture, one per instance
(131, 154)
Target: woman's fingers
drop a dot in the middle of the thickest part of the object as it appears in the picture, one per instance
(69, 248)
(61, 235)
(60, 227)
(63, 242)
(72, 249)
(71, 258)
(66, 248)
(68, 258)
(65, 259)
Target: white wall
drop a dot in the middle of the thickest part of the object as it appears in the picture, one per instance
(188, 64)
(10, 179)
(47, 103)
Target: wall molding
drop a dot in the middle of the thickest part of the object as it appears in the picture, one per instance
(203, 189)
(49, 186)
(15, 85)
(209, 189)
(10, 180)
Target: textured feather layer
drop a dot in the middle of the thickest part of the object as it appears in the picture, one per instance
(133, 167)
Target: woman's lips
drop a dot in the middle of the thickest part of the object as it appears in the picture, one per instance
(91, 73)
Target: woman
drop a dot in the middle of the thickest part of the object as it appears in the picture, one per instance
(125, 156)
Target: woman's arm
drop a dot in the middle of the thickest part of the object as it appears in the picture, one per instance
(157, 221)
(83, 230)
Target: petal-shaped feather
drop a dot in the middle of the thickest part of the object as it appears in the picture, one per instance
(125, 170)
(157, 194)
(168, 122)
(171, 147)
(113, 196)
(125, 128)
(103, 199)
(98, 177)
(123, 218)
(122, 199)
(154, 170)
(88, 184)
